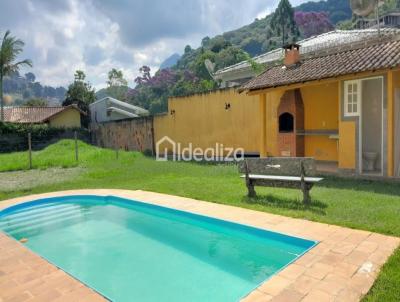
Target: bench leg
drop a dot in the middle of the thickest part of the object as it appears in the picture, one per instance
(251, 192)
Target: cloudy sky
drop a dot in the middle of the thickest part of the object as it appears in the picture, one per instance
(97, 35)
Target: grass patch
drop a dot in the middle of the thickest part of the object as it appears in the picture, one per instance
(361, 204)
(61, 154)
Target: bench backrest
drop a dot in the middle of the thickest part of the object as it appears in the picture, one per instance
(282, 166)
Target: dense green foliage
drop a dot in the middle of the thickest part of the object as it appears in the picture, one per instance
(10, 49)
(14, 137)
(80, 93)
(283, 23)
(152, 92)
(117, 86)
(190, 74)
(19, 89)
(37, 130)
(337, 10)
(368, 205)
(36, 102)
(116, 78)
(116, 92)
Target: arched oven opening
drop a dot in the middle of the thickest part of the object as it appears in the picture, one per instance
(286, 123)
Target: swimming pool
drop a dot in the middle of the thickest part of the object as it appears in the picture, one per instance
(129, 250)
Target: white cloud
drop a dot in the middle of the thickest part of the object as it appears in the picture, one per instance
(95, 36)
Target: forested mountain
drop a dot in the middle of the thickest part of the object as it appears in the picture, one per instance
(19, 89)
(337, 10)
(170, 61)
(190, 75)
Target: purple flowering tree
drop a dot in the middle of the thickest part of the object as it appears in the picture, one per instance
(313, 23)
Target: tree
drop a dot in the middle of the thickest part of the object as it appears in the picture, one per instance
(37, 89)
(188, 49)
(36, 103)
(80, 92)
(313, 23)
(10, 48)
(79, 76)
(283, 22)
(116, 78)
(205, 41)
(30, 77)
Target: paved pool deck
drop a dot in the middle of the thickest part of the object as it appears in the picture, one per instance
(342, 267)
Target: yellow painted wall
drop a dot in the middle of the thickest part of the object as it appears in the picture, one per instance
(396, 134)
(320, 113)
(70, 118)
(203, 121)
(393, 85)
(321, 106)
(396, 79)
(347, 145)
(273, 99)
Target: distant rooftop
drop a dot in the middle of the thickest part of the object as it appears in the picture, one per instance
(34, 115)
(314, 44)
(126, 106)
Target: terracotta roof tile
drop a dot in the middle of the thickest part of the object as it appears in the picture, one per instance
(364, 58)
(32, 115)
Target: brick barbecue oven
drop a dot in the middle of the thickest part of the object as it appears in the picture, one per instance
(291, 124)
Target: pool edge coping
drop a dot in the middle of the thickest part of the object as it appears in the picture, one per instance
(349, 244)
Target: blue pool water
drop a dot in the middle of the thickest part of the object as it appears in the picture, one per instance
(133, 251)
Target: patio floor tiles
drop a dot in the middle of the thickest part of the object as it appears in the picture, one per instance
(318, 296)
(348, 295)
(293, 271)
(304, 284)
(275, 285)
(319, 270)
(331, 258)
(288, 295)
(257, 296)
(367, 247)
(26, 276)
(356, 258)
(332, 284)
(342, 267)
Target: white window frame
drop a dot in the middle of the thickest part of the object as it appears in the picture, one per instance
(346, 98)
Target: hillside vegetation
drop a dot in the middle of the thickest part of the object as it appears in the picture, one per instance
(190, 75)
(19, 89)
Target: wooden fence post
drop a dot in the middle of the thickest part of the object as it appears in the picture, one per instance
(30, 150)
(76, 145)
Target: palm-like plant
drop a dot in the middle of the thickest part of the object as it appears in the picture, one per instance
(10, 48)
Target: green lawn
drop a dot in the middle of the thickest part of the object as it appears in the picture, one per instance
(367, 205)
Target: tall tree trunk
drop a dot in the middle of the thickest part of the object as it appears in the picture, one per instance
(1, 99)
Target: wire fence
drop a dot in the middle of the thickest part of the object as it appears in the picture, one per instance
(22, 150)
(17, 142)
(31, 150)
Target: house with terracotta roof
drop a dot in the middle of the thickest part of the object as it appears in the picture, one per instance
(340, 105)
(238, 74)
(57, 116)
(334, 97)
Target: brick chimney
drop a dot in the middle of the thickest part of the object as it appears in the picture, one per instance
(292, 54)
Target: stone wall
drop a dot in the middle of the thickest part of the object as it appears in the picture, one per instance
(130, 134)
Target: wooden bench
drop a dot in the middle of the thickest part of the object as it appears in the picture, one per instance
(283, 172)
